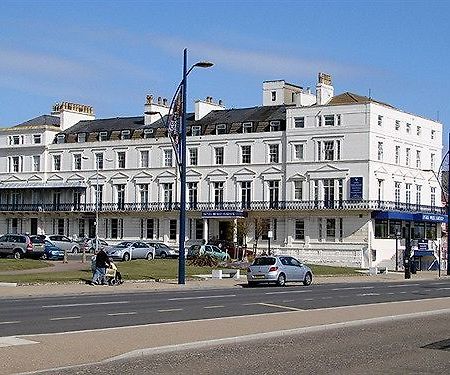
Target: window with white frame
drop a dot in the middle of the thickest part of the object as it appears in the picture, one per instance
(193, 156)
(246, 193)
(418, 162)
(193, 193)
(125, 134)
(419, 131)
(103, 136)
(319, 120)
(397, 192)
(168, 159)
(298, 190)
(338, 120)
(56, 162)
(81, 138)
(408, 128)
(144, 158)
(15, 163)
(120, 196)
(299, 230)
(433, 196)
(218, 155)
(331, 229)
(16, 140)
(60, 138)
(299, 122)
(397, 124)
(329, 120)
(148, 134)
(121, 159)
(329, 150)
(275, 126)
(380, 120)
(77, 162)
(196, 130)
(167, 192)
(274, 153)
(380, 189)
(36, 163)
(408, 193)
(418, 194)
(221, 129)
(397, 154)
(274, 193)
(218, 193)
(299, 152)
(408, 156)
(433, 134)
(247, 127)
(99, 160)
(143, 193)
(37, 139)
(246, 152)
(432, 161)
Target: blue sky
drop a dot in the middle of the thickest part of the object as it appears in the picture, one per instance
(110, 54)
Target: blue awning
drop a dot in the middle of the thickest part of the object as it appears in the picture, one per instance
(409, 216)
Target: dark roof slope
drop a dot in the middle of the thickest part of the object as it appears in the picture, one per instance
(350, 98)
(108, 124)
(46, 120)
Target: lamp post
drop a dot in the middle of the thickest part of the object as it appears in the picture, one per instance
(180, 152)
(397, 236)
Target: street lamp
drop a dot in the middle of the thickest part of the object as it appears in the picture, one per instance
(397, 236)
(180, 152)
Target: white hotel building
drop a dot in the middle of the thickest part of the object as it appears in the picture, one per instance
(335, 177)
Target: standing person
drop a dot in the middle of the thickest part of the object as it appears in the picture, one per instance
(101, 262)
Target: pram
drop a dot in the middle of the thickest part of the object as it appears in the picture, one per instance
(113, 276)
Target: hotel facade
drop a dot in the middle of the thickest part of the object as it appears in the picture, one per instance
(336, 179)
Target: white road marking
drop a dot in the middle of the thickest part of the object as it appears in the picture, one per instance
(289, 292)
(368, 294)
(169, 310)
(11, 322)
(87, 304)
(438, 284)
(214, 307)
(288, 300)
(66, 318)
(401, 285)
(201, 297)
(353, 288)
(326, 297)
(14, 341)
(123, 313)
(403, 292)
(309, 299)
(443, 288)
(390, 293)
(280, 306)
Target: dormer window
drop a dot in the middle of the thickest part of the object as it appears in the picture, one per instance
(274, 96)
(36, 139)
(125, 134)
(329, 120)
(274, 126)
(247, 127)
(81, 137)
(60, 138)
(221, 129)
(148, 133)
(196, 130)
(16, 140)
(103, 136)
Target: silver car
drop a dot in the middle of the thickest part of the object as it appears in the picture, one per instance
(63, 242)
(278, 269)
(128, 250)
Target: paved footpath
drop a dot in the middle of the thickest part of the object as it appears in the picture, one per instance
(30, 353)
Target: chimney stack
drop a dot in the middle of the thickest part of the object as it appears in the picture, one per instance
(324, 89)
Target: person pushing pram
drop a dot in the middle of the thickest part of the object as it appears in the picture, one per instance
(113, 276)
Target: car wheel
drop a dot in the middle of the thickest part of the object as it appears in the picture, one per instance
(75, 250)
(163, 255)
(281, 281)
(308, 279)
(44, 257)
(17, 254)
(149, 256)
(126, 257)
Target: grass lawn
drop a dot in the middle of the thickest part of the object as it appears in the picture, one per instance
(143, 270)
(21, 264)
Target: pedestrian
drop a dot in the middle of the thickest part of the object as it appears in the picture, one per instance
(101, 263)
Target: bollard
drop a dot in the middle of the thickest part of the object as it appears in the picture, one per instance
(83, 258)
(65, 257)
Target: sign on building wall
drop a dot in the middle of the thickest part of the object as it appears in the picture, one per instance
(356, 188)
(223, 214)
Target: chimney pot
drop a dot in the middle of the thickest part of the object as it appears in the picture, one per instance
(159, 100)
(220, 101)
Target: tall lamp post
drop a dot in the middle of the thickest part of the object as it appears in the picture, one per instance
(180, 152)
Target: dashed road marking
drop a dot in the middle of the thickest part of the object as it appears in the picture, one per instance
(368, 294)
(11, 322)
(201, 297)
(123, 313)
(289, 292)
(353, 288)
(214, 307)
(169, 310)
(66, 317)
(86, 304)
(402, 285)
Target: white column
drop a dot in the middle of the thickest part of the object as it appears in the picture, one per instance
(205, 230)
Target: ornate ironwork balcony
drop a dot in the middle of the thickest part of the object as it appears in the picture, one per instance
(349, 205)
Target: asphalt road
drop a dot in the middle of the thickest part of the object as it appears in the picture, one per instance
(84, 312)
(410, 346)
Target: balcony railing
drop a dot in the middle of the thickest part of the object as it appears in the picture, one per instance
(353, 205)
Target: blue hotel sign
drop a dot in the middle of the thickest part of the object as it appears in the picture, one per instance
(222, 214)
(356, 188)
(432, 217)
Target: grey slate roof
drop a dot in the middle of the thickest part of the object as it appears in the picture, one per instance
(107, 124)
(40, 120)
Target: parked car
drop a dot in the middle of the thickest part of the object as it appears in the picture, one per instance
(63, 242)
(163, 251)
(20, 246)
(213, 251)
(52, 252)
(88, 245)
(278, 269)
(227, 246)
(127, 250)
